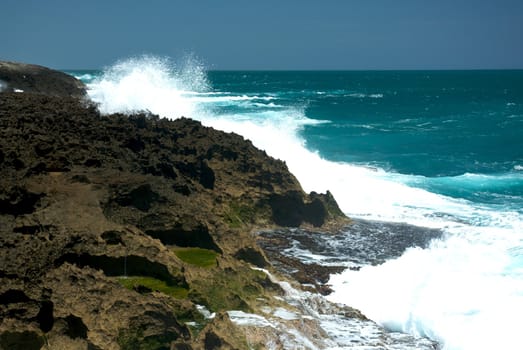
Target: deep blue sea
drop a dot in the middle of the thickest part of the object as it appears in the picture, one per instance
(436, 149)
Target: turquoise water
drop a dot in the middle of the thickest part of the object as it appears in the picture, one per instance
(443, 125)
(436, 149)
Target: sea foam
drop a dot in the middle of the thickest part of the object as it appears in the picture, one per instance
(149, 84)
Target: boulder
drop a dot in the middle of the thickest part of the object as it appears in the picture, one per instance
(21, 77)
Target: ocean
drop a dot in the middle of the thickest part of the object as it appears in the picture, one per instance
(435, 150)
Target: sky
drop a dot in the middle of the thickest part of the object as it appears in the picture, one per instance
(268, 34)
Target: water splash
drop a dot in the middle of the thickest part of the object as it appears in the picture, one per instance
(149, 83)
(309, 321)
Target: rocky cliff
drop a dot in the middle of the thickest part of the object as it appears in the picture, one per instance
(117, 231)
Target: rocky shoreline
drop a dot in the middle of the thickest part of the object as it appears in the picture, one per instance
(89, 202)
(137, 232)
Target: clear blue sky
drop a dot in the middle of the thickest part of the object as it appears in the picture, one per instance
(268, 34)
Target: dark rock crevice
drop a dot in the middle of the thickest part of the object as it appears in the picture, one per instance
(184, 231)
(141, 197)
(113, 237)
(131, 265)
(18, 201)
(200, 171)
(45, 316)
(13, 296)
(197, 236)
(33, 229)
(76, 328)
(24, 340)
(290, 210)
(252, 256)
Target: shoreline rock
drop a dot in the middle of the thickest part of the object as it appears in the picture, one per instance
(96, 211)
(22, 77)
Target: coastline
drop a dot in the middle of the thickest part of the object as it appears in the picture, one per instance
(91, 199)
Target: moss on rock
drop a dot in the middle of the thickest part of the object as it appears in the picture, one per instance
(197, 256)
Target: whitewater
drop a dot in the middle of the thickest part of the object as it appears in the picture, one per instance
(464, 290)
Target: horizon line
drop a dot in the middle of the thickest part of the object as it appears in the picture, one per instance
(332, 70)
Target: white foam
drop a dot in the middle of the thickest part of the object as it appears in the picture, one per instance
(3, 86)
(362, 95)
(247, 319)
(86, 78)
(267, 105)
(335, 330)
(205, 312)
(285, 314)
(461, 294)
(207, 98)
(149, 84)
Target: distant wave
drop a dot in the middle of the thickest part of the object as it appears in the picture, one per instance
(362, 95)
(85, 77)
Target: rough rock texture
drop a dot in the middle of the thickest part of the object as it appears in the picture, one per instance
(37, 79)
(87, 200)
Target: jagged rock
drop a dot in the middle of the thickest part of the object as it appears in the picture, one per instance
(252, 255)
(18, 200)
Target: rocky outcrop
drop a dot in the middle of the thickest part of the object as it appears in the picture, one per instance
(20, 77)
(113, 228)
